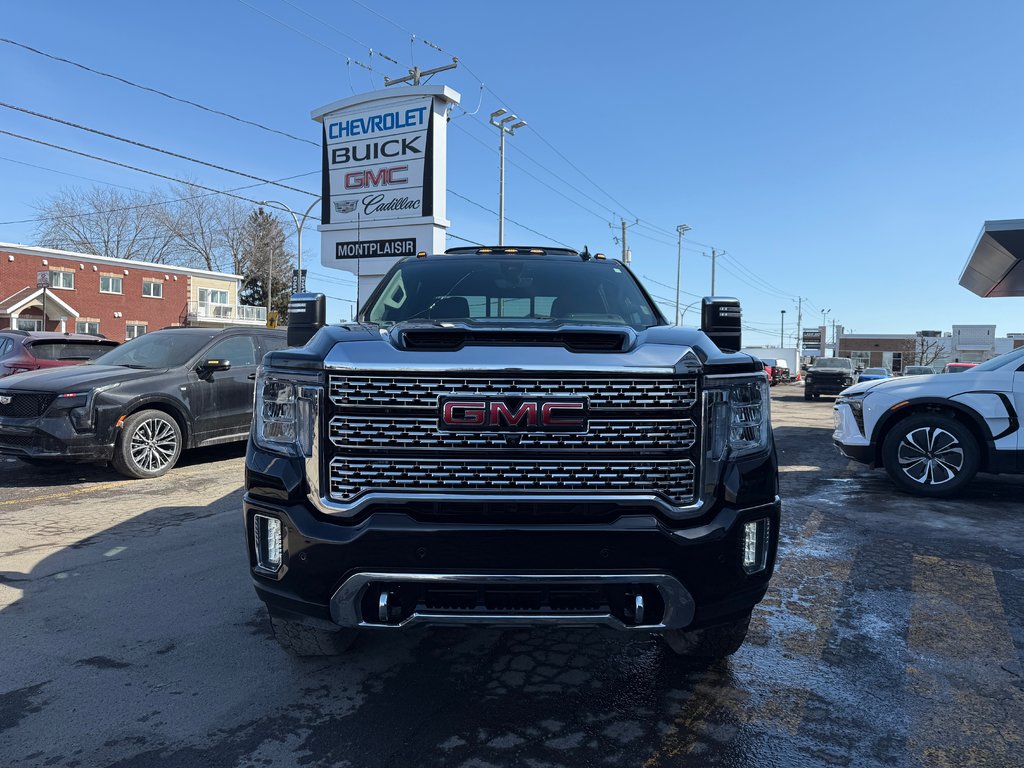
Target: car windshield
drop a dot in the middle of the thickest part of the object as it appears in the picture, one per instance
(876, 372)
(833, 363)
(522, 290)
(160, 349)
(918, 370)
(1010, 359)
(58, 349)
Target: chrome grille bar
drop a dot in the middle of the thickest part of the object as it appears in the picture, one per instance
(403, 434)
(357, 390)
(351, 476)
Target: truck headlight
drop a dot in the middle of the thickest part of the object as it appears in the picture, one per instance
(741, 414)
(284, 413)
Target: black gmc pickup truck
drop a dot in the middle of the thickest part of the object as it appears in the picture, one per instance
(511, 436)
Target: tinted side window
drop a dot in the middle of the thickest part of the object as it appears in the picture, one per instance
(6, 345)
(238, 350)
(272, 343)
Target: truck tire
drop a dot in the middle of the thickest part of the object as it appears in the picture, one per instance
(808, 395)
(303, 640)
(704, 646)
(149, 445)
(931, 455)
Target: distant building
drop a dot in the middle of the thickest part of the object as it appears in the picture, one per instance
(118, 298)
(895, 351)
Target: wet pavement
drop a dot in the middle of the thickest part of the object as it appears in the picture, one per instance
(893, 634)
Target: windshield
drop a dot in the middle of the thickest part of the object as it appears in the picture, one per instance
(529, 289)
(160, 349)
(918, 370)
(876, 372)
(834, 363)
(1010, 359)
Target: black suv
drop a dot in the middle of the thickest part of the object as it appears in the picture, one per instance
(140, 404)
(512, 436)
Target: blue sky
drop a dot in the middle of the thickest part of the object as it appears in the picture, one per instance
(847, 154)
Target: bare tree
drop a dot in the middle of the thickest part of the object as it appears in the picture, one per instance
(924, 350)
(106, 222)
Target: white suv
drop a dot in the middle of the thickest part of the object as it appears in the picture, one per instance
(933, 433)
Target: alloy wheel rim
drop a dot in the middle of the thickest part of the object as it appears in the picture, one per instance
(153, 445)
(930, 456)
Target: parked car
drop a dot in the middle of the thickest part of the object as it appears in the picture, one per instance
(140, 404)
(31, 350)
(828, 376)
(771, 371)
(873, 374)
(933, 433)
(918, 370)
(958, 367)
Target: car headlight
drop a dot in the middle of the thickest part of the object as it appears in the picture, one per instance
(741, 415)
(80, 405)
(856, 403)
(284, 414)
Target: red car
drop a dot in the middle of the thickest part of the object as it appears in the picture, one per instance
(31, 350)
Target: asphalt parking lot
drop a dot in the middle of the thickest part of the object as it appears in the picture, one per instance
(893, 634)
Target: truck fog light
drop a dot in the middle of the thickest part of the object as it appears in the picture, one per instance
(268, 541)
(755, 545)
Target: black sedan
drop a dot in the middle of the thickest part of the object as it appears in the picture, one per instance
(140, 404)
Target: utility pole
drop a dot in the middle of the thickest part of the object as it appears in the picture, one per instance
(782, 332)
(503, 128)
(625, 257)
(799, 340)
(714, 257)
(416, 74)
(270, 276)
(681, 229)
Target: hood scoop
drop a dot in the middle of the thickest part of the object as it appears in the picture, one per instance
(443, 339)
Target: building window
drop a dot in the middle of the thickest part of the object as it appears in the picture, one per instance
(110, 284)
(87, 326)
(897, 362)
(861, 359)
(63, 280)
(153, 288)
(29, 324)
(133, 330)
(211, 296)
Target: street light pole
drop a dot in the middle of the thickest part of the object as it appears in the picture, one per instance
(270, 277)
(503, 128)
(782, 333)
(298, 227)
(681, 229)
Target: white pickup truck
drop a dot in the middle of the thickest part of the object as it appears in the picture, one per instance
(934, 433)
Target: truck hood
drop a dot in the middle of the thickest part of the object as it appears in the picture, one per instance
(444, 346)
(71, 378)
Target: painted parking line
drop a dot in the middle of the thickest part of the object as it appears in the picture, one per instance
(65, 494)
(964, 674)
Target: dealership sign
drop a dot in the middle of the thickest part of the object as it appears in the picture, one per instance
(384, 179)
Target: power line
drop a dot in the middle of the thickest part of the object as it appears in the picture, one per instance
(529, 229)
(150, 147)
(62, 173)
(158, 92)
(134, 168)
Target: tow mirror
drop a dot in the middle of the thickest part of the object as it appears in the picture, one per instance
(213, 366)
(307, 314)
(721, 320)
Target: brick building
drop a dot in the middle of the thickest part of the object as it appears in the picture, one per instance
(965, 344)
(118, 298)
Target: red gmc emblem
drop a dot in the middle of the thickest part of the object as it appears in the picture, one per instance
(513, 415)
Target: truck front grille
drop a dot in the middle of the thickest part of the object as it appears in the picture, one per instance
(382, 437)
(351, 476)
(375, 391)
(402, 434)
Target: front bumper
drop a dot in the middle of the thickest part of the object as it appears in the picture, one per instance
(51, 436)
(827, 387)
(337, 574)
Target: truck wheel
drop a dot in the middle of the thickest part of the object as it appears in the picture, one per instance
(931, 455)
(303, 640)
(704, 646)
(150, 444)
(808, 395)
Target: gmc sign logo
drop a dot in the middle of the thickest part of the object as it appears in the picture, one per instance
(381, 178)
(513, 415)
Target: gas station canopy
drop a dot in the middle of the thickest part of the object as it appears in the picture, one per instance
(996, 266)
